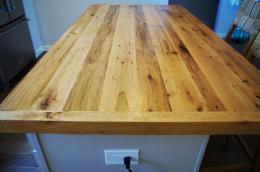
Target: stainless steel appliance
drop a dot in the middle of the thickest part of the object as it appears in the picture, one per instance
(16, 49)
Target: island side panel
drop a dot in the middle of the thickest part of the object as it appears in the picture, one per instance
(65, 153)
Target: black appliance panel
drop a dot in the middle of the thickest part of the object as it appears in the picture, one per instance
(205, 10)
(16, 49)
(4, 15)
(16, 9)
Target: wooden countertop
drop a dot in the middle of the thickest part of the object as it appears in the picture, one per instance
(137, 70)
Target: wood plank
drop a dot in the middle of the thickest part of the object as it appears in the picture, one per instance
(212, 100)
(86, 92)
(120, 85)
(148, 123)
(181, 88)
(152, 92)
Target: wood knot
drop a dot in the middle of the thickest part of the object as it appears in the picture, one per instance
(150, 110)
(49, 115)
(200, 108)
(48, 100)
(189, 95)
(88, 61)
(101, 131)
(204, 34)
(44, 105)
(150, 77)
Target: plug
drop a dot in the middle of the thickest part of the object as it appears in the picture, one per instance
(127, 162)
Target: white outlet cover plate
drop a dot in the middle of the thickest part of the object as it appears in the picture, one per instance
(116, 156)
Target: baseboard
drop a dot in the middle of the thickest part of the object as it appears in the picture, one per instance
(41, 49)
(46, 47)
(221, 35)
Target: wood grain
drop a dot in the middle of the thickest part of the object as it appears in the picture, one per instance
(126, 69)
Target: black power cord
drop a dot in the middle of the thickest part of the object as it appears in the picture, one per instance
(127, 162)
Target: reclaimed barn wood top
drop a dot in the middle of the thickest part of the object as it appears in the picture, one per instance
(137, 70)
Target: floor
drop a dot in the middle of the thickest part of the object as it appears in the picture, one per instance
(16, 154)
(220, 155)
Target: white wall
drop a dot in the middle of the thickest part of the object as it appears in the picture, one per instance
(225, 17)
(55, 16)
(85, 153)
(33, 25)
(49, 19)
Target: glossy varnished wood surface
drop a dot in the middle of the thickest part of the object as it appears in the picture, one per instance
(137, 70)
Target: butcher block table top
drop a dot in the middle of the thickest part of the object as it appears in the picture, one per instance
(137, 70)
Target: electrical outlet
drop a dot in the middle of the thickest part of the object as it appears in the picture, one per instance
(116, 157)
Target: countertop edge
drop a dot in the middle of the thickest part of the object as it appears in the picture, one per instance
(130, 123)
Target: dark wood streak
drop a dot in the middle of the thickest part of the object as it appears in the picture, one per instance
(200, 108)
(190, 96)
(212, 100)
(122, 103)
(48, 100)
(183, 48)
